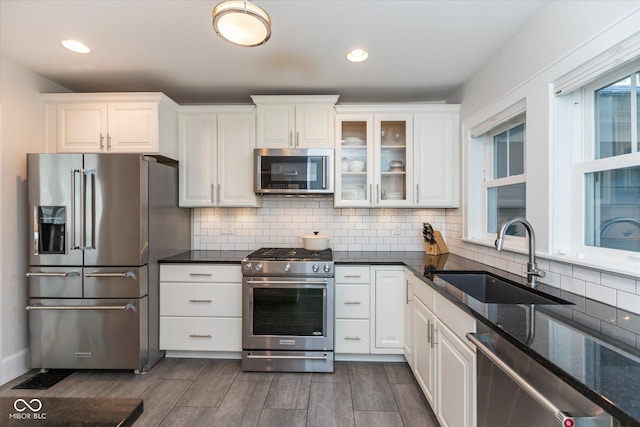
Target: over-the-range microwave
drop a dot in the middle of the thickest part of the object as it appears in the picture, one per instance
(293, 171)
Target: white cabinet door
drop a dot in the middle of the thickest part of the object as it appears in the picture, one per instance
(455, 402)
(425, 365)
(388, 292)
(314, 126)
(81, 127)
(374, 160)
(216, 158)
(295, 121)
(236, 141)
(197, 145)
(436, 160)
(133, 127)
(409, 320)
(276, 126)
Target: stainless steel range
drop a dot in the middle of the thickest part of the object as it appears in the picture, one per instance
(287, 310)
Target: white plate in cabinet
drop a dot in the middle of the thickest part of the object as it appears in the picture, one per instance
(201, 273)
(352, 336)
(359, 274)
(352, 301)
(200, 334)
(189, 299)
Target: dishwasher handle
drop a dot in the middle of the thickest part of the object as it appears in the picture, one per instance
(564, 418)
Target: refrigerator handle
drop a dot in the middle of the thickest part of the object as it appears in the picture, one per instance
(88, 202)
(75, 226)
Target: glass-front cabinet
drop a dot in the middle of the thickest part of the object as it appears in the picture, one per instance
(374, 160)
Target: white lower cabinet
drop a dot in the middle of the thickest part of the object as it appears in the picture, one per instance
(201, 307)
(388, 300)
(352, 313)
(443, 363)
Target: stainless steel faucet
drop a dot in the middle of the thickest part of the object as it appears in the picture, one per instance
(532, 268)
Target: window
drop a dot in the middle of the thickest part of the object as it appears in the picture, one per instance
(505, 190)
(596, 155)
(611, 166)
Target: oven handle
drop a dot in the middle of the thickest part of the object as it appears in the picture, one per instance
(285, 282)
(252, 356)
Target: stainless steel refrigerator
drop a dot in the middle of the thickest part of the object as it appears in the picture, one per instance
(99, 224)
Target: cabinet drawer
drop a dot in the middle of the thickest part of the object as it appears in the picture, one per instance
(352, 274)
(201, 273)
(425, 293)
(201, 299)
(201, 334)
(457, 320)
(352, 336)
(352, 302)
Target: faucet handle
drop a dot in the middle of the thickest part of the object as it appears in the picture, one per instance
(536, 272)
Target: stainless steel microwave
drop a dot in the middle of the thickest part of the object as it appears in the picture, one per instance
(293, 171)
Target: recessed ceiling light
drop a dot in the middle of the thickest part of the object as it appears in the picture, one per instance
(357, 55)
(75, 46)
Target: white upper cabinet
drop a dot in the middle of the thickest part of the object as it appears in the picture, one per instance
(216, 156)
(437, 158)
(295, 121)
(397, 155)
(112, 123)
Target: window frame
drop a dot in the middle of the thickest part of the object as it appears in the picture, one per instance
(584, 161)
(488, 181)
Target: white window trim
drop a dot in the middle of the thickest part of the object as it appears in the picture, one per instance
(576, 109)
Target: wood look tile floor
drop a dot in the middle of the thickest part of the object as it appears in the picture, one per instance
(208, 392)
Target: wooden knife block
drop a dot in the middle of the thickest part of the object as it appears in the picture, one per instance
(437, 248)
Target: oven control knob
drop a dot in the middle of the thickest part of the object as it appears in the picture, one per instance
(315, 268)
(259, 267)
(247, 267)
(327, 268)
(287, 267)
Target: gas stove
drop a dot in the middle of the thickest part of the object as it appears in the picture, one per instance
(288, 261)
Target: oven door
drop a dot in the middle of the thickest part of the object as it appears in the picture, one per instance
(289, 171)
(287, 313)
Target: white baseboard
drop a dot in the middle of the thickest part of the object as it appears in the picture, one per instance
(13, 366)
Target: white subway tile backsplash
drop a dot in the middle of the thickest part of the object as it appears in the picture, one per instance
(586, 274)
(573, 285)
(618, 282)
(629, 302)
(601, 293)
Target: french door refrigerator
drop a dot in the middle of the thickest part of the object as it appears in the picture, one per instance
(99, 224)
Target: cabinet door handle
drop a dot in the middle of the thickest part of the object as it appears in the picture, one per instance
(406, 291)
(108, 143)
(199, 336)
(417, 193)
(101, 141)
(200, 300)
(352, 302)
(356, 338)
(297, 139)
(213, 193)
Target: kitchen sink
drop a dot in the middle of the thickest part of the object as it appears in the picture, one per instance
(489, 288)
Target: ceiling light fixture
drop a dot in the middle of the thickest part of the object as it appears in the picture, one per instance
(75, 46)
(357, 55)
(242, 23)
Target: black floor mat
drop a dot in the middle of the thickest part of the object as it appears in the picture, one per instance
(43, 381)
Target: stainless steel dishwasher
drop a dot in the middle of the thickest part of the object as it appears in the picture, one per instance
(515, 390)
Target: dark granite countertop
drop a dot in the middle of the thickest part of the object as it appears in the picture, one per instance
(58, 411)
(590, 345)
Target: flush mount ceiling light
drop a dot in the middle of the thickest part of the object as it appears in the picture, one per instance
(75, 46)
(357, 55)
(242, 23)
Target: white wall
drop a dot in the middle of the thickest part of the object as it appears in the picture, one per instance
(562, 37)
(22, 131)
(282, 221)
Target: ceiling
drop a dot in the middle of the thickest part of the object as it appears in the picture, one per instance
(420, 50)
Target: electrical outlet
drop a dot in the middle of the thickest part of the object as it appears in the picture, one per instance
(227, 230)
(396, 231)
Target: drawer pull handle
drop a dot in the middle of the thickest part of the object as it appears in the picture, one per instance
(356, 338)
(199, 336)
(352, 302)
(199, 300)
(352, 276)
(201, 274)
